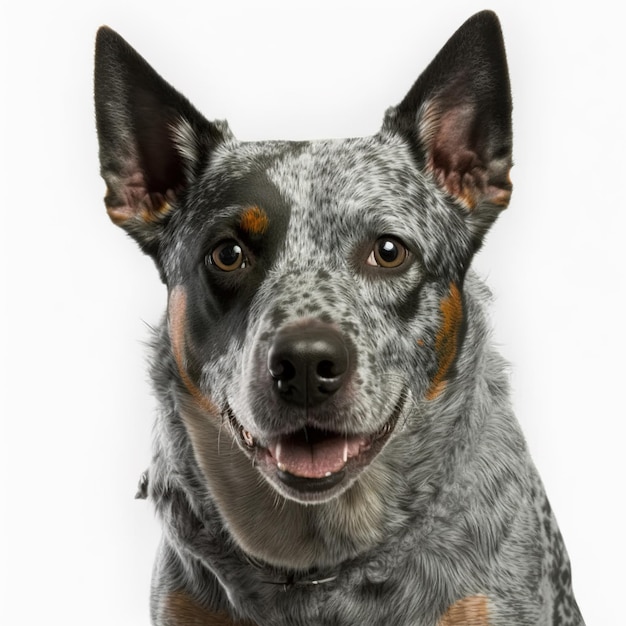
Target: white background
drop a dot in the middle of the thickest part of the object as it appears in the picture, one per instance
(76, 409)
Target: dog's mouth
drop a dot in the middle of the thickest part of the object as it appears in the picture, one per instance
(314, 464)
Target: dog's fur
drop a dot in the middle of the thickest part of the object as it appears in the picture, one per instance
(322, 290)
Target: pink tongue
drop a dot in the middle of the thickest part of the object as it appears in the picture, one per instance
(317, 459)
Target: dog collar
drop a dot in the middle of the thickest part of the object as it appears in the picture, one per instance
(291, 579)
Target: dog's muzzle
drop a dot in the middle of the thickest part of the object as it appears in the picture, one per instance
(313, 453)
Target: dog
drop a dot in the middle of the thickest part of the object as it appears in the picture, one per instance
(335, 443)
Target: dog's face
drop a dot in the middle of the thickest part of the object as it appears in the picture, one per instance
(300, 296)
(315, 289)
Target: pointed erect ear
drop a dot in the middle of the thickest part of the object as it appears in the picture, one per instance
(151, 139)
(458, 116)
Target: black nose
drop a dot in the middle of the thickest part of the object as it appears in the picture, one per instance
(308, 363)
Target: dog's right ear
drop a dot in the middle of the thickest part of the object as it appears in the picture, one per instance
(152, 140)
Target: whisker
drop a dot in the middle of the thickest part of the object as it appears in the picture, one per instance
(219, 435)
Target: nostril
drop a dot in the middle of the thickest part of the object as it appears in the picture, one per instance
(327, 369)
(283, 370)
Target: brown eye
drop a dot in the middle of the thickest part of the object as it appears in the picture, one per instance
(228, 256)
(387, 253)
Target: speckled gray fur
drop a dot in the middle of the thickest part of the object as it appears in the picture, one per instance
(452, 506)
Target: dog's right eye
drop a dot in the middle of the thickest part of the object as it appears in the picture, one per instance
(227, 256)
(387, 253)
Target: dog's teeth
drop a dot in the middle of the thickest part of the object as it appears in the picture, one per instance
(328, 474)
(345, 451)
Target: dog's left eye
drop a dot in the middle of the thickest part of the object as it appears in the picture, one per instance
(227, 256)
(387, 253)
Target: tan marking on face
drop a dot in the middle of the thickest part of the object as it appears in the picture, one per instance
(446, 341)
(471, 611)
(254, 221)
(177, 308)
(181, 609)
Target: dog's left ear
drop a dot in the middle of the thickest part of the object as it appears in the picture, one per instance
(458, 117)
(152, 140)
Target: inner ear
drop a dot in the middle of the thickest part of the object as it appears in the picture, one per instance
(460, 153)
(161, 162)
(149, 180)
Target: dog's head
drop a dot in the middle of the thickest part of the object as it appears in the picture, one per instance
(315, 288)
